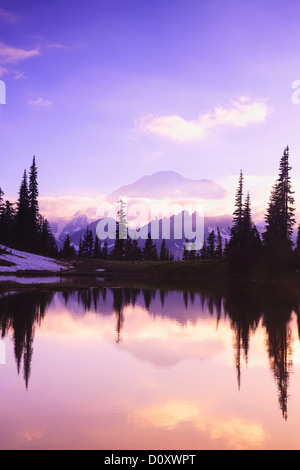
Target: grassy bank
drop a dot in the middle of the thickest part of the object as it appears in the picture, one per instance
(85, 273)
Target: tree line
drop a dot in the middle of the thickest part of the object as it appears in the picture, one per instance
(22, 227)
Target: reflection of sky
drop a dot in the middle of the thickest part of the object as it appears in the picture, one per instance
(165, 385)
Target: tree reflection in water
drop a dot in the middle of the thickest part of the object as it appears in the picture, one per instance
(244, 306)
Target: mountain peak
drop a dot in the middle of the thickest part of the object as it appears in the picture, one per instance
(169, 185)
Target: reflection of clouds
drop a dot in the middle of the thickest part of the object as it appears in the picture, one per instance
(237, 433)
(29, 436)
(158, 341)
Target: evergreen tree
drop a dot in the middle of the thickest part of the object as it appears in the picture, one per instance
(128, 249)
(163, 255)
(68, 250)
(49, 246)
(211, 243)
(87, 244)
(136, 250)
(192, 252)
(1, 213)
(1, 201)
(186, 251)
(23, 216)
(97, 247)
(80, 255)
(297, 248)
(219, 247)
(118, 252)
(7, 224)
(104, 253)
(33, 194)
(243, 247)
(203, 254)
(280, 218)
(238, 213)
(150, 250)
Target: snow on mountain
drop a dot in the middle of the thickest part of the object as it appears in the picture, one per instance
(171, 185)
(175, 246)
(23, 261)
(160, 185)
(76, 225)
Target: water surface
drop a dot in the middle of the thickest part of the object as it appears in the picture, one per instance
(130, 368)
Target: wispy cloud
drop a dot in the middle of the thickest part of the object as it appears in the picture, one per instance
(8, 17)
(56, 46)
(240, 113)
(41, 102)
(3, 71)
(19, 74)
(9, 54)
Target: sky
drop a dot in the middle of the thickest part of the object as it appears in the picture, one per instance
(103, 92)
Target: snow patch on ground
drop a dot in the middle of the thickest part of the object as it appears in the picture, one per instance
(27, 261)
(30, 280)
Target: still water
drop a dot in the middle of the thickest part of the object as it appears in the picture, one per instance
(133, 368)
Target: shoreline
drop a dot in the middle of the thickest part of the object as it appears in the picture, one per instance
(88, 273)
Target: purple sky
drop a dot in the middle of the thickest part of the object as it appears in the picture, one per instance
(106, 91)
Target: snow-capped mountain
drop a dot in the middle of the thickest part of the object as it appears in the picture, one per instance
(78, 224)
(175, 246)
(161, 185)
(169, 185)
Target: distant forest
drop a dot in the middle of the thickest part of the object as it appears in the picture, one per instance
(22, 227)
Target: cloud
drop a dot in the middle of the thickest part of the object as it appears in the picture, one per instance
(66, 206)
(41, 102)
(240, 113)
(18, 75)
(56, 46)
(3, 71)
(8, 17)
(9, 54)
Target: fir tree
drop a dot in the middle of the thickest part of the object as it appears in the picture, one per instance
(87, 244)
(297, 247)
(219, 247)
(23, 216)
(104, 252)
(163, 255)
(1, 201)
(49, 246)
(118, 253)
(186, 253)
(211, 244)
(243, 247)
(68, 250)
(136, 250)
(97, 247)
(150, 250)
(7, 224)
(280, 218)
(128, 249)
(33, 194)
(203, 254)
(80, 255)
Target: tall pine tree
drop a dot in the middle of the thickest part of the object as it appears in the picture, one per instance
(280, 218)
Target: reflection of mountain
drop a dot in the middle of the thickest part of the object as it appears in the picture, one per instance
(245, 308)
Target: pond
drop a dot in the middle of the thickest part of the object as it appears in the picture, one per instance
(139, 368)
